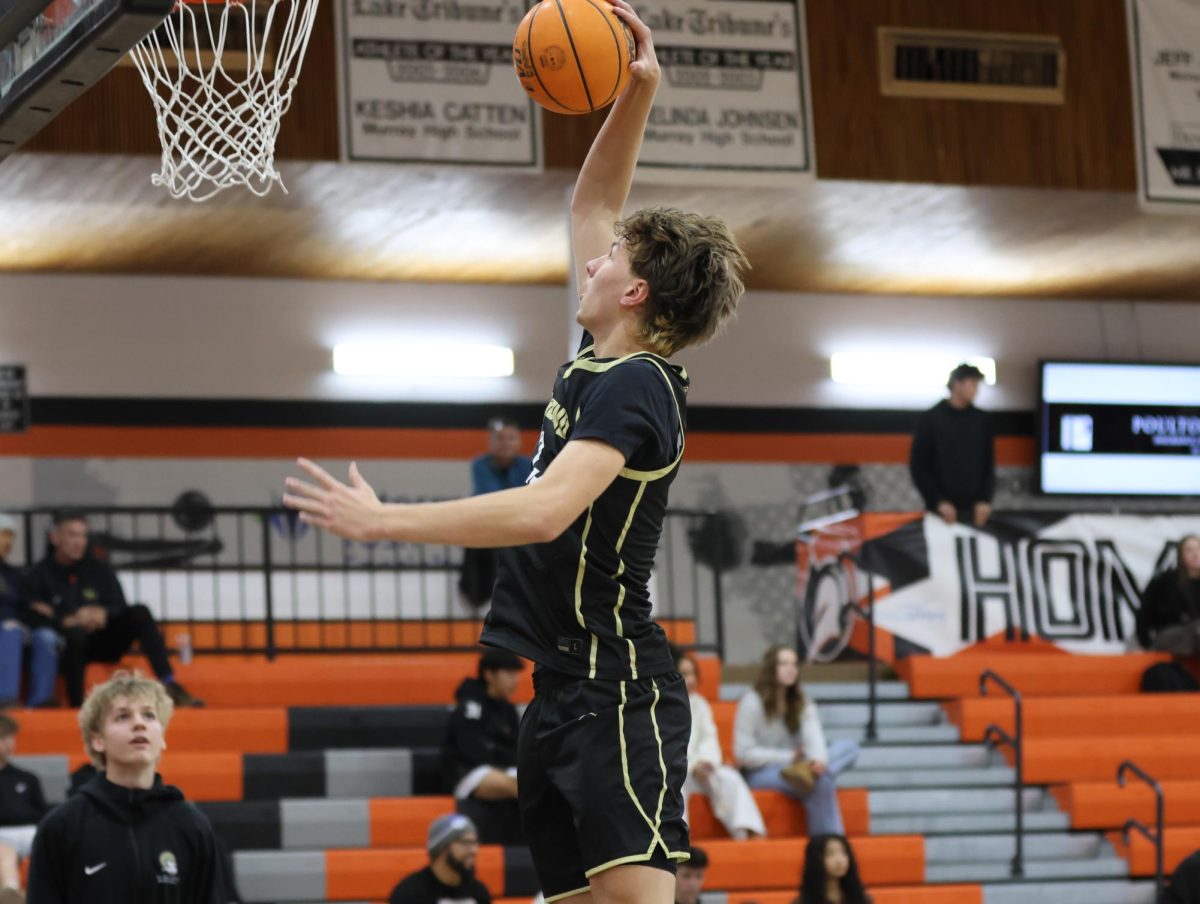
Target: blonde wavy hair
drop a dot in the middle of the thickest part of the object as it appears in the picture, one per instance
(99, 703)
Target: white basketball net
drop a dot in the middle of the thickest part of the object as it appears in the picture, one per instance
(218, 126)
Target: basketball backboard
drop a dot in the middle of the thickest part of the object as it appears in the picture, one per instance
(51, 52)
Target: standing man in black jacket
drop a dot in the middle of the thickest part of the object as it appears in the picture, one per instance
(22, 806)
(81, 597)
(953, 459)
(126, 836)
(479, 752)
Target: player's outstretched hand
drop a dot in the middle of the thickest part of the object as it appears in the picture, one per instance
(348, 510)
(644, 66)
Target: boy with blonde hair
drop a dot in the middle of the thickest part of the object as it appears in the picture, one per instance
(125, 836)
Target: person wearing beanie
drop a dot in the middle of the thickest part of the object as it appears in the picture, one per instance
(453, 845)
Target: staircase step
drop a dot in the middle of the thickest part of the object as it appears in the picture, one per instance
(1002, 847)
(959, 756)
(991, 776)
(931, 824)
(932, 801)
(830, 691)
(898, 734)
(900, 712)
(1070, 893)
(1085, 868)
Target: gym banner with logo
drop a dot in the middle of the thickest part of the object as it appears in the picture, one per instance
(427, 81)
(734, 99)
(1165, 51)
(1073, 580)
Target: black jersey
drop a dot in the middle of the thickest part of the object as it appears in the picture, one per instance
(580, 604)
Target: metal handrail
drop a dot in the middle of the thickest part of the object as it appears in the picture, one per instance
(996, 735)
(866, 612)
(1155, 837)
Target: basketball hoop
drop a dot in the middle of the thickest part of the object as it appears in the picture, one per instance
(221, 76)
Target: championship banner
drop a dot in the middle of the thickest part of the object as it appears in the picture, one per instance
(1165, 51)
(426, 81)
(1072, 580)
(734, 98)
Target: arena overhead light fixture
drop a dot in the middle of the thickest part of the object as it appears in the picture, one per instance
(903, 370)
(421, 360)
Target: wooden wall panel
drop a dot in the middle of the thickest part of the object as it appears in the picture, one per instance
(1086, 143)
(116, 117)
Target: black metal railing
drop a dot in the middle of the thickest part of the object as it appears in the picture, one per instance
(1155, 837)
(995, 735)
(254, 580)
(866, 612)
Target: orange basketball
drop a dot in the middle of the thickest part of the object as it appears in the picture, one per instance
(572, 56)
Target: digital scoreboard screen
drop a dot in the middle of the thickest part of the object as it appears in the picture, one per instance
(1114, 429)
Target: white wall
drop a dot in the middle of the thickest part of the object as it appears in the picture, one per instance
(149, 336)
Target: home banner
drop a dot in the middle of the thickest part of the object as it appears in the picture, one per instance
(1071, 579)
(1165, 51)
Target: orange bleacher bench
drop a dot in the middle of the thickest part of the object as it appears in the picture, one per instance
(1177, 844)
(784, 817)
(776, 863)
(371, 875)
(1062, 717)
(327, 679)
(1104, 805)
(922, 894)
(404, 822)
(1061, 760)
(191, 730)
(1033, 674)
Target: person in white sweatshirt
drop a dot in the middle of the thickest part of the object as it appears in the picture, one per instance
(778, 731)
(732, 801)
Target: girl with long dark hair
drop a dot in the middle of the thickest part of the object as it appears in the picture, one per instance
(830, 873)
(1169, 618)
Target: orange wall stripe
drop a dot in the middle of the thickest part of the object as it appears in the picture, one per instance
(374, 443)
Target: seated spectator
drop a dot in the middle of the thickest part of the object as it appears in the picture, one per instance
(16, 636)
(780, 744)
(452, 845)
(80, 597)
(732, 801)
(689, 877)
(830, 874)
(22, 806)
(1169, 619)
(1185, 882)
(479, 753)
(125, 832)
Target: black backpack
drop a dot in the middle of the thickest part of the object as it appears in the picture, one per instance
(1168, 677)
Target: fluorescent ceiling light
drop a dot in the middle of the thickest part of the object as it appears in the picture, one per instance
(421, 360)
(903, 370)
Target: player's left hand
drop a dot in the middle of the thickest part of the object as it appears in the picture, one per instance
(644, 67)
(348, 510)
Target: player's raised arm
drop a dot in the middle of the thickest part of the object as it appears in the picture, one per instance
(607, 172)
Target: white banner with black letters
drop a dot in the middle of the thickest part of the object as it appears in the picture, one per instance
(1165, 50)
(734, 99)
(429, 81)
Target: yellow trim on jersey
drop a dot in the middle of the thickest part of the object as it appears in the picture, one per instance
(661, 762)
(632, 858)
(597, 367)
(583, 351)
(579, 590)
(569, 894)
(621, 587)
(656, 838)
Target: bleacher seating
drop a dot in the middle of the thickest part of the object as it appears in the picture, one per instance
(321, 773)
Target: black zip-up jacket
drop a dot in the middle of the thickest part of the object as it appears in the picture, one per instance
(21, 800)
(482, 732)
(953, 457)
(88, 582)
(110, 844)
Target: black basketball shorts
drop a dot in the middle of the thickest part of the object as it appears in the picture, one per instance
(600, 770)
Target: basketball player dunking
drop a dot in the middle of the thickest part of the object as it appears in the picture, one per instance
(603, 746)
